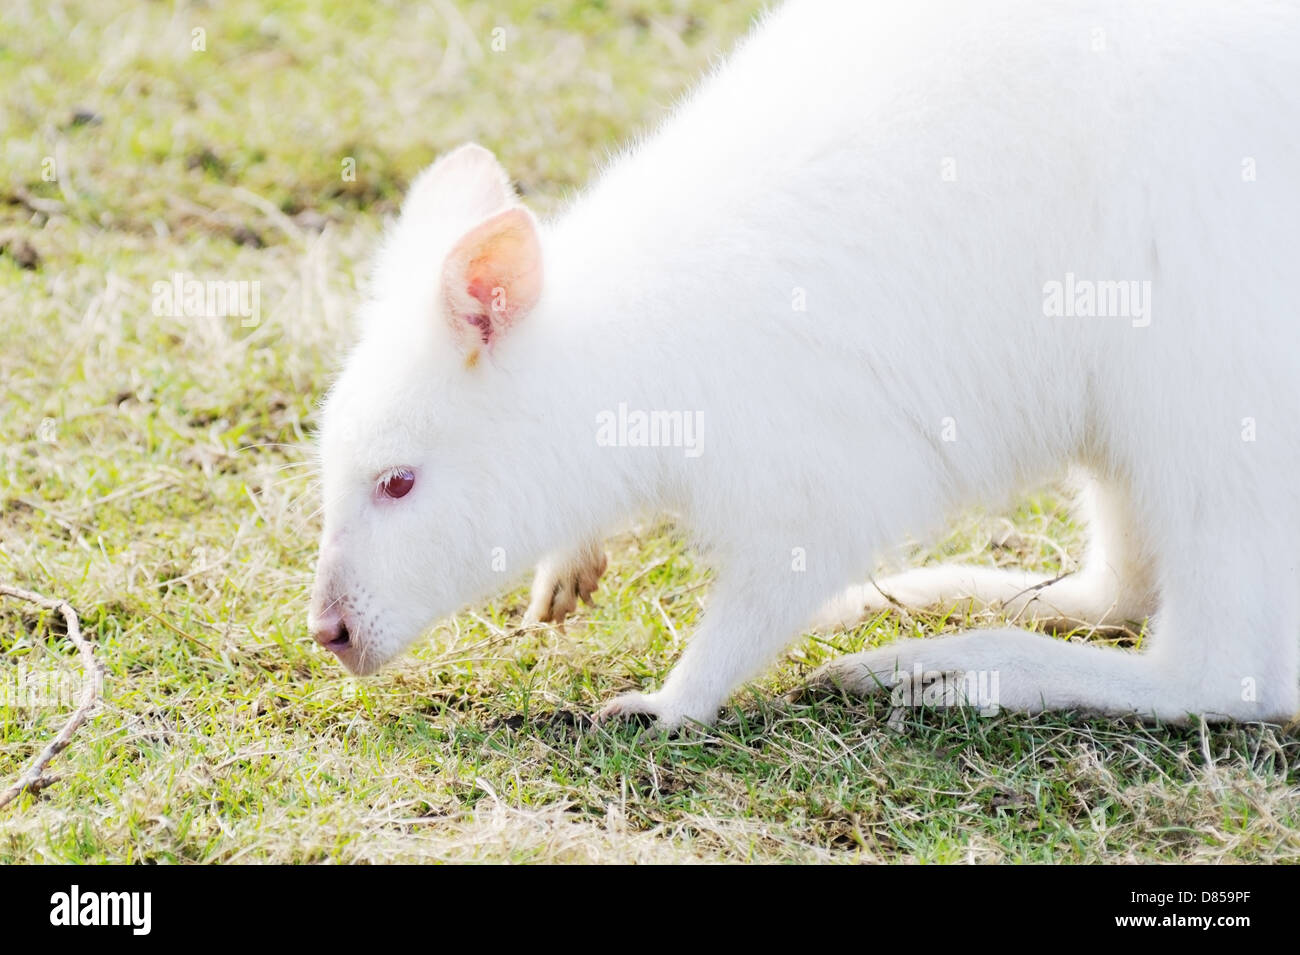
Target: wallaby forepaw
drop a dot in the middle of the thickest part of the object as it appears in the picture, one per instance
(562, 582)
(655, 708)
(630, 706)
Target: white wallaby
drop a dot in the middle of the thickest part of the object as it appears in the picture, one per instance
(893, 259)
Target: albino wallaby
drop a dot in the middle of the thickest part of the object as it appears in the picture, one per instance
(893, 259)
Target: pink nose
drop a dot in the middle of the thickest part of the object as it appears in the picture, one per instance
(330, 630)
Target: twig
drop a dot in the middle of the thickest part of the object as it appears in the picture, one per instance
(48, 207)
(33, 778)
(1034, 589)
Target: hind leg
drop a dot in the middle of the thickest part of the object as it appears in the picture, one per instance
(1202, 665)
(1113, 586)
(1012, 669)
(1223, 646)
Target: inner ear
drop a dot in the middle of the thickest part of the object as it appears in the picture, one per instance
(492, 278)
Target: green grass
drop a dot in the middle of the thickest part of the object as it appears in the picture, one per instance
(156, 472)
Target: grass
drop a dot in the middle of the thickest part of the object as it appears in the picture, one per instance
(156, 472)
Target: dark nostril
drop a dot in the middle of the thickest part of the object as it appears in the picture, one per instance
(341, 640)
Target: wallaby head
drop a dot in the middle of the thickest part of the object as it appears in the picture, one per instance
(425, 437)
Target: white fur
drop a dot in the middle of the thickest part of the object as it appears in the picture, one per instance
(1101, 139)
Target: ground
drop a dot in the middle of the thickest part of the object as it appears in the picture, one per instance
(157, 472)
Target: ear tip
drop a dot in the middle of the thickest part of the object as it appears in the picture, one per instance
(464, 183)
(471, 154)
(478, 161)
(470, 150)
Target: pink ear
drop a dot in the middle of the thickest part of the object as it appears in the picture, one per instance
(492, 278)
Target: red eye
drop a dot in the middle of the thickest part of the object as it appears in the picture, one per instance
(397, 483)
